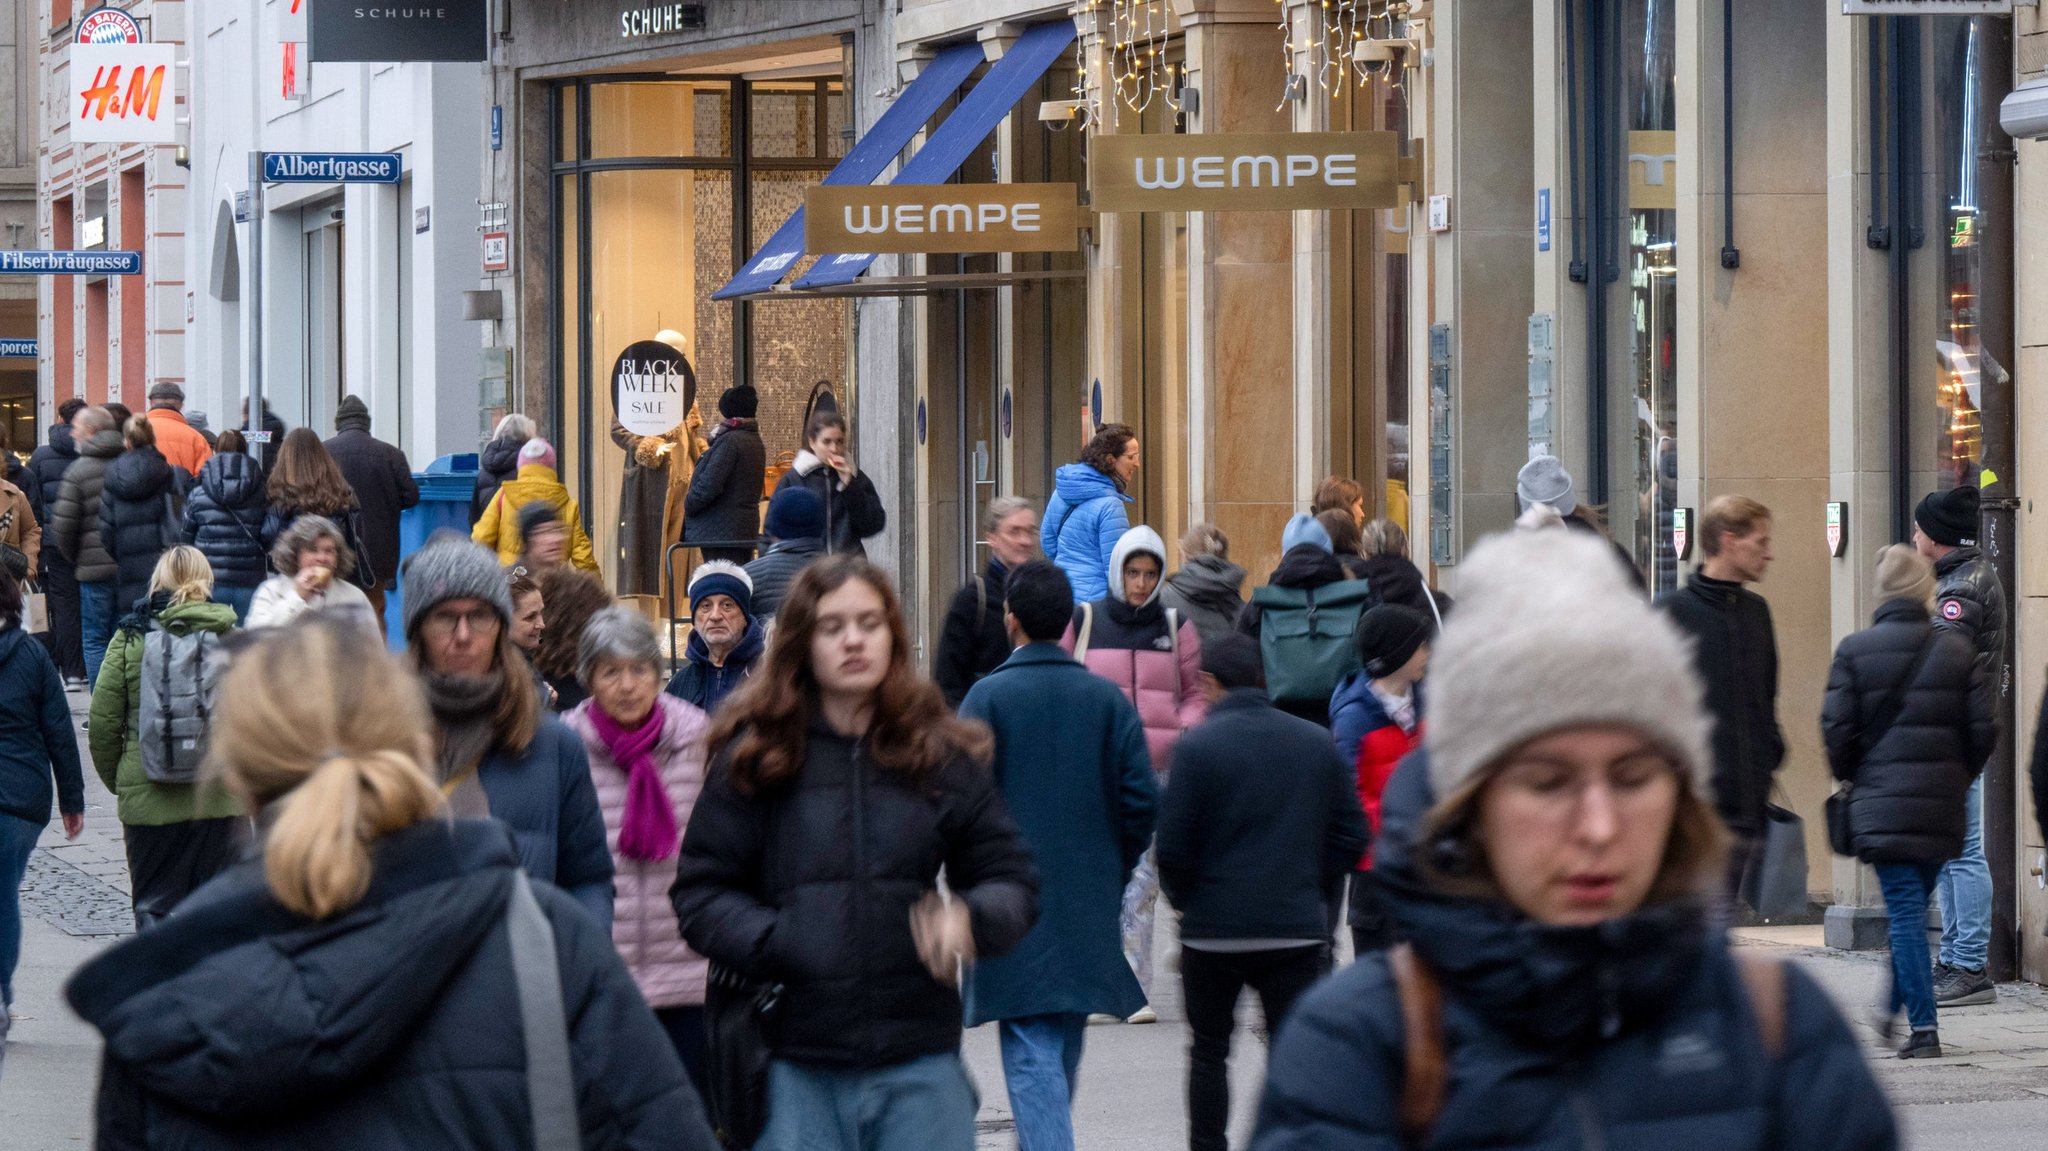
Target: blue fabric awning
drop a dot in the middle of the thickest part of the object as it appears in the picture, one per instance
(913, 107)
(970, 123)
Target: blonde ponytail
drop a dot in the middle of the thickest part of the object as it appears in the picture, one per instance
(323, 728)
(183, 572)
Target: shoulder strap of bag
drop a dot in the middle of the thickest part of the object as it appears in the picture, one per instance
(550, 1086)
(1173, 633)
(1764, 980)
(981, 602)
(1887, 712)
(1087, 629)
(1427, 1076)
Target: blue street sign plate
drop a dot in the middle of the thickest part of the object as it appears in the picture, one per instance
(332, 167)
(17, 349)
(1543, 219)
(34, 262)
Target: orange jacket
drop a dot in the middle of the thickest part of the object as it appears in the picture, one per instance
(180, 444)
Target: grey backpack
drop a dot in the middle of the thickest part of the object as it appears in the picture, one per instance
(180, 674)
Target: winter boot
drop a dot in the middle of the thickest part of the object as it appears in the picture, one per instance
(1922, 1045)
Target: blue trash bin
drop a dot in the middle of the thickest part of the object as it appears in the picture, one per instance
(445, 488)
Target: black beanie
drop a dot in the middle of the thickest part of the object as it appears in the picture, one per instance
(1949, 518)
(533, 516)
(1234, 660)
(739, 403)
(1387, 637)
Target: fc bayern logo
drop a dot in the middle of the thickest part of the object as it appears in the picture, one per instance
(109, 26)
(1951, 609)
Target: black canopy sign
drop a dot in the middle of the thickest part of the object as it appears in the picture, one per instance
(397, 30)
(653, 387)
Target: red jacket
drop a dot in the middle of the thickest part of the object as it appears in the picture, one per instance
(1358, 721)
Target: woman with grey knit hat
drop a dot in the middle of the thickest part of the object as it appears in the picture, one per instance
(1551, 855)
(497, 753)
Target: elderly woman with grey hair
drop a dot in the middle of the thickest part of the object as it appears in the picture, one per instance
(646, 751)
(313, 562)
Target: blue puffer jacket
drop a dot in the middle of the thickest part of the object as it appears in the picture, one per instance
(224, 519)
(1083, 521)
(36, 743)
(1634, 1033)
(548, 800)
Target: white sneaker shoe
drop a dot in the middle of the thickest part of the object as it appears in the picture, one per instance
(1144, 1014)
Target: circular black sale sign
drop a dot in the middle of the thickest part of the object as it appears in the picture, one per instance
(653, 387)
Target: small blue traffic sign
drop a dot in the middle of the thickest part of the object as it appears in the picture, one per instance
(35, 262)
(332, 167)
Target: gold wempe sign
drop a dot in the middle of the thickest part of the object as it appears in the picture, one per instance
(942, 218)
(1271, 171)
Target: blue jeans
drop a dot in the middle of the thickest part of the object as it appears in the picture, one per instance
(1965, 890)
(1041, 1066)
(238, 598)
(96, 626)
(926, 1102)
(17, 842)
(1906, 887)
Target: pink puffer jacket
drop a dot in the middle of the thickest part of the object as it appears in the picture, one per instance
(644, 927)
(1161, 677)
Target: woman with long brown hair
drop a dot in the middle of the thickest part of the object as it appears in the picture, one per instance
(307, 482)
(402, 966)
(840, 785)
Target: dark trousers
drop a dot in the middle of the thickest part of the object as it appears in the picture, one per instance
(66, 639)
(1210, 983)
(1370, 929)
(165, 864)
(685, 1027)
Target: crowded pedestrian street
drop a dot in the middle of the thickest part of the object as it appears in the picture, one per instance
(855, 575)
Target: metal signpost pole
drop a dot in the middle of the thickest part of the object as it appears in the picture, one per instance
(254, 422)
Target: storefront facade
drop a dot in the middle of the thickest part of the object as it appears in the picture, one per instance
(643, 162)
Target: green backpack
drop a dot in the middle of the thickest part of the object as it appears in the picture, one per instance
(1305, 637)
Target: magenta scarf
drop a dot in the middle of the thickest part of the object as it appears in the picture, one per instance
(648, 830)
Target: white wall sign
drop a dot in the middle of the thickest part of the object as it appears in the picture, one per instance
(497, 252)
(123, 93)
(1439, 213)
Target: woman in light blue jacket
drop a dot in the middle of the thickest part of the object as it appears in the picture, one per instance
(1085, 517)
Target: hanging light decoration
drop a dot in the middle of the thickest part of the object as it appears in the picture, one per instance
(1333, 31)
(1134, 36)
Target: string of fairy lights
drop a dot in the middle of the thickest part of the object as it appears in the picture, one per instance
(1138, 72)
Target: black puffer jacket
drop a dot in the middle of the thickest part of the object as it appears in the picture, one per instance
(1636, 1033)
(75, 515)
(30, 484)
(497, 464)
(724, 503)
(224, 519)
(1396, 580)
(974, 641)
(1907, 805)
(776, 569)
(1969, 601)
(47, 463)
(851, 515)
(1735, 650)
(810, 884)
(139, 518)
(394, 1025)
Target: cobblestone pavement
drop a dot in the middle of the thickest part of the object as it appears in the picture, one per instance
(80, 886)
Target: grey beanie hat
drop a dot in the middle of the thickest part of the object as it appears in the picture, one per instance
(1543, 480)
(451, 567)
(1548, 636)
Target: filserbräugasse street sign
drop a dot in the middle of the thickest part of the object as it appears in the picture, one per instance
(332, 167)
(1248, 171)
(942, 218)
(69, 263)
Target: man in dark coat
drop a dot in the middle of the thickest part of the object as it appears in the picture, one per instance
(1259, 826)
(1073, 769)
(724, 504)
(1969, 601)
(384, 487)
(75, 523)
(1735, 650)
(59, 577)
(974, 640)
(1908, 722)
(726, 641)
(796, 522)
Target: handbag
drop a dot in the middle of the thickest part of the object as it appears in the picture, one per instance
(1776, 883)
(1841, 832)
(739, 1016)
(550, 1082)
(35, 612)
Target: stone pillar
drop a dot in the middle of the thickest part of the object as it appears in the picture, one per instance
(1245, 416)
(2030, 264)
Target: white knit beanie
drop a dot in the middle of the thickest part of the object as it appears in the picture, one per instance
(1547, 635)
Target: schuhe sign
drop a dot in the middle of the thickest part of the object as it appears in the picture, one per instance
(941, 218)
(1256, 171)
(359, 30)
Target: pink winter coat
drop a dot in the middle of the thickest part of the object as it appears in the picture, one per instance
(1130, 648)
(644, 927)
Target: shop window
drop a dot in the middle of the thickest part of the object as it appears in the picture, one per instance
(660, 118)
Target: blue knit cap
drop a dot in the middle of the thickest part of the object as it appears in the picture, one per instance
(722, 577)
(1303, 529)
(796, 513)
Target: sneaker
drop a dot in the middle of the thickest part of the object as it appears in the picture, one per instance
(1943, 972)
(1966, 988)
(74, 683)
(1922, 1045)
(1144, 1014)
(1102, 1017)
